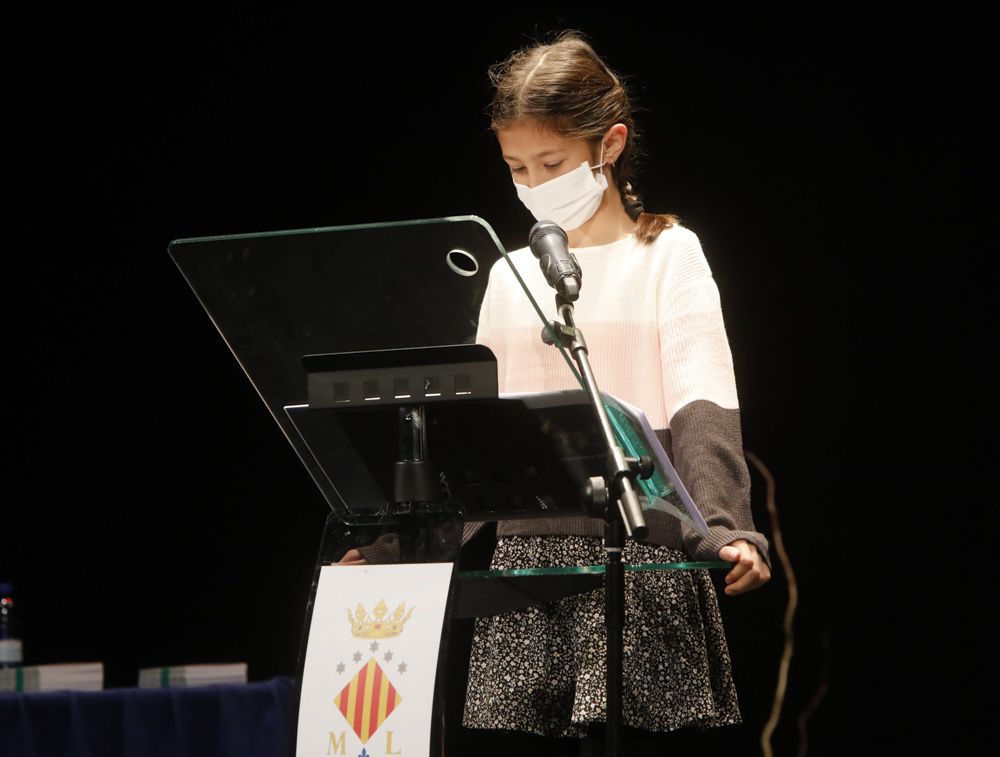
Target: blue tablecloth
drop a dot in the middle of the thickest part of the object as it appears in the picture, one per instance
(248, 720)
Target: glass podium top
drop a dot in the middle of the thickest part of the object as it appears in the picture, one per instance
(282, 299)
(277, 297)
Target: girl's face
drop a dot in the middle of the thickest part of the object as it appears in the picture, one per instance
(536, 154)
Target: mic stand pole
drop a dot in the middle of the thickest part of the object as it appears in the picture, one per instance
(627, 519)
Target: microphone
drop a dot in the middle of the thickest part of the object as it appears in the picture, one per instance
(549, 243)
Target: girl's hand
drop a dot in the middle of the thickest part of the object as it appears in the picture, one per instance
(352, 557)
(749, 569)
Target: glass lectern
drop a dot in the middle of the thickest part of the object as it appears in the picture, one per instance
(360, 340)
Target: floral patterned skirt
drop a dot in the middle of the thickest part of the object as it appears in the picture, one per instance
(542, 669)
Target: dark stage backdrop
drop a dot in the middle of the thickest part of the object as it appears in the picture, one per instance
(834, 165)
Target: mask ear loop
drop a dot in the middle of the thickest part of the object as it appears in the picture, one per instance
(600, 160)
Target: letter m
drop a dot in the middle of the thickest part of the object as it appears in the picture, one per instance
(337, 745)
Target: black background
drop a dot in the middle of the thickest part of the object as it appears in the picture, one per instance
(834, 163)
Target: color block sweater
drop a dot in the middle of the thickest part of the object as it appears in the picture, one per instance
(653, 325)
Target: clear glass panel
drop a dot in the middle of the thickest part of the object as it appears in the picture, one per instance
(488, 592)
(276, 297)
(589, 569)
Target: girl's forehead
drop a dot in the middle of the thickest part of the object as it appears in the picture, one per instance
(527, 139)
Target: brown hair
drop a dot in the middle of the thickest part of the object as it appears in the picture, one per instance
(565, 86)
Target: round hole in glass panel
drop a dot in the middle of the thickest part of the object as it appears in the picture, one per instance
(462, 262)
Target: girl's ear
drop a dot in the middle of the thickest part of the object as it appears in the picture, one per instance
(614, 142)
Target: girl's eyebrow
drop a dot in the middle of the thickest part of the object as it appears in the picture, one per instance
(541, 154)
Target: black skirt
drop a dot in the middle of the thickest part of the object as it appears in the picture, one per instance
(542, 669)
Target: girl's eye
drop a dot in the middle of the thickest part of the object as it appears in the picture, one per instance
(516, 170)
(553, 165)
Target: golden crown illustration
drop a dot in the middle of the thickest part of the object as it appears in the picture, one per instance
(378, 625)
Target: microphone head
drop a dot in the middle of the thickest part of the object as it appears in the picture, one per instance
(544, 228)
(549, 243)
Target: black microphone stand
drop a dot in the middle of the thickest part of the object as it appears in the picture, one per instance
(626, 519)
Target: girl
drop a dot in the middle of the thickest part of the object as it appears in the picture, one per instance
(649, 309)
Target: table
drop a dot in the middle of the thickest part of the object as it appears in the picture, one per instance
(249, 720)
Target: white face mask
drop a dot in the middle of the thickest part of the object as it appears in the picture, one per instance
(569, 200)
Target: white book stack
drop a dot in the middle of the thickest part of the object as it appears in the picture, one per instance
(73, 676)
(192, 675)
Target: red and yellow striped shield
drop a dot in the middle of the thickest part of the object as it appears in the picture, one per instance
(367, 700)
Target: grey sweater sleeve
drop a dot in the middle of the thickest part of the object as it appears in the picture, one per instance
(707, 446)
(385, 549)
